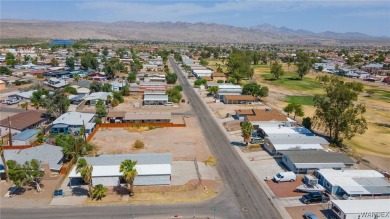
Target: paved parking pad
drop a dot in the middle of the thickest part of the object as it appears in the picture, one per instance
(321, 210)
(286, 189)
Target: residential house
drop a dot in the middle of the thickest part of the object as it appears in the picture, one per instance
(26, 137)
(93, 98)
(115, 116)
(56, 83)
(353, 183)
(307, 161)
(23, 121)
(143, 86)
(219, 76)
(152, 169)
(239, 99)
(147, 117)
(26, 95)
(226, 89)
(155, 99)
(71, 122)
(202, 73)
(359, 209)
(50, 156)
(98, 76)
(276, 144)
(263, 117)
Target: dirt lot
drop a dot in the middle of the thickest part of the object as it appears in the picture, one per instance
(184, 143)
(30, 198)
(189, 192)
(286, 189)
(321, 210)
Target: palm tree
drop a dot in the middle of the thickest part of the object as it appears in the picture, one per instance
(98, 192)
(76, 77)
(247, 130)
(129, 173)
(86, 173)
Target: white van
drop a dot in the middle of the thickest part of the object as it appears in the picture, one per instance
(285, 177)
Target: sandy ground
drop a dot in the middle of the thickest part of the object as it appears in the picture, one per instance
(187, 143)
(30, 198)
(190, 192)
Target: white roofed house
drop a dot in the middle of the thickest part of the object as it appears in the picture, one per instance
(155, 99)
(56, 83)
(226, 89)
(153, 169)
(71, 122)
(359, 209)
(93, 98)
(202, 73)
(353, 183)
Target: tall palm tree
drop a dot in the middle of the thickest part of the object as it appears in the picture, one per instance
(247, 130)
(98, 192)
(129, 173)
(86, 173)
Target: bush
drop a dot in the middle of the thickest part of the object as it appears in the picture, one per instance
(178, 87)
(70, 90)
(220, 81)
(211, 161)
(199, 82)
(115, 103)
(98, 121)
(18, 83)
(138, 144)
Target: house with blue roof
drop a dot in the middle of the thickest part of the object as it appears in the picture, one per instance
(26, 137)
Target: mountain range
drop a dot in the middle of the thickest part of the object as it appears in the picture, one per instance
(177, 32)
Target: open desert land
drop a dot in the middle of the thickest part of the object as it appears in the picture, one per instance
(185, 143)
(373, 145)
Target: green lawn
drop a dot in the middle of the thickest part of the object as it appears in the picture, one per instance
(303, 100)
(293, 82)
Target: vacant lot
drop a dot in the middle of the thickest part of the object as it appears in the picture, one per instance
(184, 143)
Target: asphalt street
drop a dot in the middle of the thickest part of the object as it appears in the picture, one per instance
(247, 192)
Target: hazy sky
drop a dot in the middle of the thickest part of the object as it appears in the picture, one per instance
(370, 17)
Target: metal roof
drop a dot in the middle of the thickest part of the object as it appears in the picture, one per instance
(113, 170)
(298, 139)
(147, 115)
(23, 120)
(74, 118)
(25, 135)
(364, 205)
(45, 153)
(116, 159)
(317, 156)
(154, 97)
(99, 96)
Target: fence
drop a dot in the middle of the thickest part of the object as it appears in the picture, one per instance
(126, 125)
(19, 147)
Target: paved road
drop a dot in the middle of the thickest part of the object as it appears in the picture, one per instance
(246, 190)
(223, 205)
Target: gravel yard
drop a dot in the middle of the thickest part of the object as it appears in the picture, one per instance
(184, 143)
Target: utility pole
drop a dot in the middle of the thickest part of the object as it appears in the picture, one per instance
(85, 136)
(9, 132)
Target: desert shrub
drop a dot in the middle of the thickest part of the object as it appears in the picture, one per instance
(210, 161)
(138, 144)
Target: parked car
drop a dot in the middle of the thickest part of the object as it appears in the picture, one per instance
(285, 177)
(168, 104)
(4, 101)
(256, 140)
(12, 101)
(315, 197)
(309, 215)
